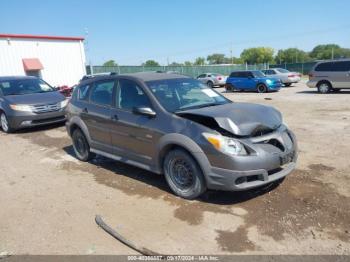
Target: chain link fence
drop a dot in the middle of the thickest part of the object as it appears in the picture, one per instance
(194, 71)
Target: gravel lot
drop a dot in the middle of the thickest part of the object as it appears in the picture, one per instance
(49, 199)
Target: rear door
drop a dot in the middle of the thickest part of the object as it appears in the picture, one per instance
(235, 79)
(341, 74)
(97, 115)
(132, 134)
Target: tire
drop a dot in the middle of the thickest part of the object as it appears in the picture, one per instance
(5, 125)
(288, 84)
(324, 87)
(261, 88)
(210, 84)
(81, 146)
(183, 175)
(229, 88)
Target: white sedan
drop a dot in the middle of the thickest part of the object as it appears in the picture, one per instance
(287, 77)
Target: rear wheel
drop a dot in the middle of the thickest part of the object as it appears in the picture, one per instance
(81, 146)
(5, 125)
(230, 88)
(210, 84)
(324, 87)
(262, 88)
(183, 175)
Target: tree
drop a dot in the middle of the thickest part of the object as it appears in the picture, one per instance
(151, 63)
(199, 61)
(175, 64)
(329, 51)
(291, 55)
(216, 59)
(257, 55)
(188, 63)
(110, 63)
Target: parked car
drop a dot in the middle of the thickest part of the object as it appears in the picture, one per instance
(29, 101)
(177, 126)
(329, 76)
(212, 79)
(287, 78)
(252, 81)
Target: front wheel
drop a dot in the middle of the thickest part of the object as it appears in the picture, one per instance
(5, 125)
(229, 88)
(288, 84)
(262, 88)
(81, 146)
(183, 175)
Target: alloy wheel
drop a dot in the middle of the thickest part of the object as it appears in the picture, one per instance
(4, 123)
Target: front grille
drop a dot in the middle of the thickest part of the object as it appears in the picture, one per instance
(48, 120)
(39, 109)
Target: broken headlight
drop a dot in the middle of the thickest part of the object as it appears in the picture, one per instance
(225, 144)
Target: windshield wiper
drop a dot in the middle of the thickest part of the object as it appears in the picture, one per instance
(199, 106)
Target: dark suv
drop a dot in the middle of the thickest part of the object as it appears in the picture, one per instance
(177, 126)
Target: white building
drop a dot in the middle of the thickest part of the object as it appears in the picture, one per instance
(57, 60)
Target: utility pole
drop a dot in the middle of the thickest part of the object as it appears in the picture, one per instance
(231, 53)
(332, 53)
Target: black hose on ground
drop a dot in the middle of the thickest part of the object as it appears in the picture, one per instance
(116, 235)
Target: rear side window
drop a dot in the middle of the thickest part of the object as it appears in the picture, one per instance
(341, 66)
(324, 67)
(235, 74)
(83, 92)
(102, 93)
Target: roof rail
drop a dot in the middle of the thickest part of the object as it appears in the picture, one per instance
(86, 77)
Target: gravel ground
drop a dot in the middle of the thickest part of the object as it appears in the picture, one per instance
(49, 199)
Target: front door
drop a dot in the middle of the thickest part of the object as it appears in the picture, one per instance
(132, 134)
(97, 115)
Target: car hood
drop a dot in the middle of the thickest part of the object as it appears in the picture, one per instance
(36, 99)
(239, 119)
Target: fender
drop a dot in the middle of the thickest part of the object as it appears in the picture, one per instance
(75, 120)
(175, 139)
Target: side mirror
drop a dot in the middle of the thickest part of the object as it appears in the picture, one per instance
(145, 111)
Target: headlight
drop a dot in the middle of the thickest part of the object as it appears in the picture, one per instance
(226, 144)
(268, 81)
(64, 103)
(24, 108)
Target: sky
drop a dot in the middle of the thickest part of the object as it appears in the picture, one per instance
(133, 31)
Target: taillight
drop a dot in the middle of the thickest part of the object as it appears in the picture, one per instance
(219, 78)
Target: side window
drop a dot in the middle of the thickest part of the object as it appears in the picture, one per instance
(341, 66)
(324, 67)
(102, 93)
(202, 76)
(130, 95)
(83, 92)
(271, 72)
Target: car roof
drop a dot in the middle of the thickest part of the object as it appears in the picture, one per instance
(8, 78)
(153, 76)
(142, 76)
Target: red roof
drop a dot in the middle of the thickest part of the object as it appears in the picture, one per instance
(32, 64)
(42, 37)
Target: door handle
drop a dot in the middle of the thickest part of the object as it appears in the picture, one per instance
(115, 117)
(85, 110)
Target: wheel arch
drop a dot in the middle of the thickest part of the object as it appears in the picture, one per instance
(177, 141)
(324, 81)
(75, 123)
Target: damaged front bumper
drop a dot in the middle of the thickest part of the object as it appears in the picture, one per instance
(274, 158)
